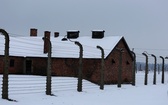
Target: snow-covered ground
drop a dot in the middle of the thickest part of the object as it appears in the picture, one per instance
(30, 90)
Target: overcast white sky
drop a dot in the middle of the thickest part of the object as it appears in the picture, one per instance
(143, 23)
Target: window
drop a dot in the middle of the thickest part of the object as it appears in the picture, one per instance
(113, 61)
(127, 63)
(12, 63)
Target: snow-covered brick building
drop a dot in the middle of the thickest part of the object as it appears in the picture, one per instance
(28, 55)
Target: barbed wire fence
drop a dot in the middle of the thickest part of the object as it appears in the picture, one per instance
(30, 84)
(24, 84)
(33, 84)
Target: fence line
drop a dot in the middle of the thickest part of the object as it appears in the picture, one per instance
(23, 84)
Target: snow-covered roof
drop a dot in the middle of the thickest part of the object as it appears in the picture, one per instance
(98, 30)
(33, 46)
(73, 31)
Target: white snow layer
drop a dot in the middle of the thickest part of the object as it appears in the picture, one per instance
(66, 93)
(33, 46)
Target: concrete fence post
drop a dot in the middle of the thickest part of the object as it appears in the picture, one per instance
(79, 87)
(154, 76)
(162, 80)
(6, 62)
(48, 79)
(102, 68)
(120, 67)
(134, 71)
(146, 69)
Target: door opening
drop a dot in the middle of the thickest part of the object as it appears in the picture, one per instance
(28, 66)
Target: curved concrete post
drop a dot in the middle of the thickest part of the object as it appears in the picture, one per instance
(146, 69)
(154, 76)
(79, 88)
(102, 68)
(134, 65)
(6, 62)
(162, 69)
(48, 80)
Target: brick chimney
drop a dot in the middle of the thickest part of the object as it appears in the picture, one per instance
(33, 32)
(46, 35)
(73, 34)
(97, 34)
(56, 34)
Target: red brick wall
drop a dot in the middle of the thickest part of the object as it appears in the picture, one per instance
(18, 65)
(39, 66)
(69, 67)
(111, 71)
(64, 67)
(92, 67)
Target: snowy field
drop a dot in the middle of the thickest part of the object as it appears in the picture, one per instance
(30, 90)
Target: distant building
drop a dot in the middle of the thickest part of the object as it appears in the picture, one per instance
(28, 55)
